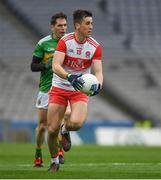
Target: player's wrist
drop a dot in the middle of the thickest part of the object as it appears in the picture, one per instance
(68, 75)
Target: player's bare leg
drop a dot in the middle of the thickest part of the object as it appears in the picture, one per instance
(55, 116)
(66, 140)
(61, 150)
(78, 116)
(74, 122)
(40, 133)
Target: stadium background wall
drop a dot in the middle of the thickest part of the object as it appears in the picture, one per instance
(131, 40)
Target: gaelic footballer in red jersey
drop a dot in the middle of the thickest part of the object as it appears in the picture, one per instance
(77, 53)
(78, 58)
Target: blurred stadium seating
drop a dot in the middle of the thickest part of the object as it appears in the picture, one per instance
(130, 32)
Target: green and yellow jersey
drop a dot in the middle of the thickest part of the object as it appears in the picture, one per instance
(45, 49)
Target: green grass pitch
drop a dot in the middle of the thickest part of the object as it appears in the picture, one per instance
(83, 162)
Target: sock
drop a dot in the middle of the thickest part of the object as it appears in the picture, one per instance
(61, 152)
(64, 130)
(55, 159)
(38, 153)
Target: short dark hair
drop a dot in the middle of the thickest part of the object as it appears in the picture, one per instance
(56, 16)
(79, 14)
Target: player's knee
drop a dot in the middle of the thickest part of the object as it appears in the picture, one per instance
(52, 130)
(42, 127)
(75, 126)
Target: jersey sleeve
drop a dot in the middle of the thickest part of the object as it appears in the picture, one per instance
(61, 46)
(38, 51)
(98, 53)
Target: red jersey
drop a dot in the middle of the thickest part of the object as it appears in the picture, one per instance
(78, 57)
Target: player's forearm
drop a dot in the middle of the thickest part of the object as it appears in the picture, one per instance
(99, 76)
(37, 67)
(58, 70)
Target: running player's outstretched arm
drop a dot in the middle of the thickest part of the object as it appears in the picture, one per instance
(58, 60)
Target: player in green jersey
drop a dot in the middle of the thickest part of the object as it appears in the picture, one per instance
(42, 62)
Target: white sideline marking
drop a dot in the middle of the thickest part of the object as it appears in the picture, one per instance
(90, 164)
(100, 164)
(115, 164)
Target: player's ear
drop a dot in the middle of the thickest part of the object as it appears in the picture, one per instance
(52, 27)
(77, 25)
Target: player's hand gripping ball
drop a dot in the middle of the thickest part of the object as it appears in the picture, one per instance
(90, 83)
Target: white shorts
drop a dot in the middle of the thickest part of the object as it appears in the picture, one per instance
(42, 100)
